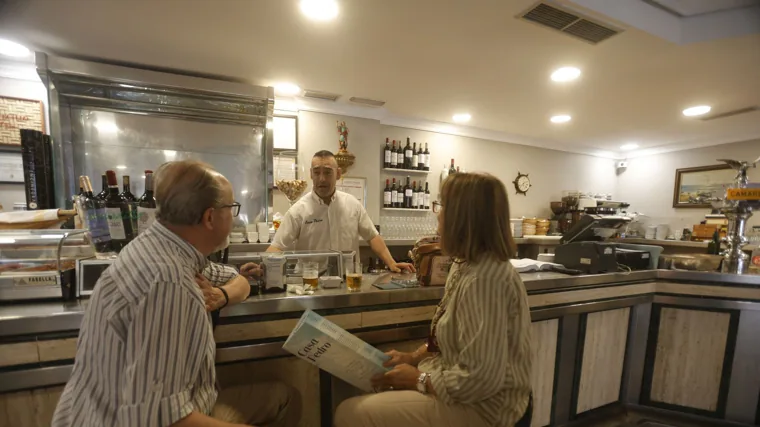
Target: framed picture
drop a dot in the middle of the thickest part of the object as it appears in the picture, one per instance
(695, 185)
(16, 114)
(355, 186)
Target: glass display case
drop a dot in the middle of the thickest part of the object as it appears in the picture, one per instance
(40, 264)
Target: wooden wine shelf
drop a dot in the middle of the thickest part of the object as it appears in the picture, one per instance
(407, 171)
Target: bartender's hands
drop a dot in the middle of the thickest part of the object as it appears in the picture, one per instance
(251, 270)
(212, 296)
(401, 377)
(402, 266)
(399, 358)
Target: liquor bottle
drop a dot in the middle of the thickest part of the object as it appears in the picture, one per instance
(76, 200)
(394, 156)
(415, 157)
(96, 220)
(387, 154)
(415, 196)
(394, 194)
(119, 214)
(104, 188)
(387, 194)
(452, 169)
(408, 193)
(426, 197)
(427, 157)
(420, 160)
(400, 158)
(408, 155)
(146, 205)
(127, 193)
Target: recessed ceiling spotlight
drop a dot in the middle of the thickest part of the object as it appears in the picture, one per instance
(566, 74)
(320, 10)
(10, 48)
(121, 167)
(560, 119)
(697, 111)
(629, 146)
(287, 89)
(461, 117)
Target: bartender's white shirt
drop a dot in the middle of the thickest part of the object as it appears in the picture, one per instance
(311, 224)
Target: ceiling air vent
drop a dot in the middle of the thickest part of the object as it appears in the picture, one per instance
(569, 22)
(366, 101)
(320, 95)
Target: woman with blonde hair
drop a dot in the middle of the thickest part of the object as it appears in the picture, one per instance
(475, 368)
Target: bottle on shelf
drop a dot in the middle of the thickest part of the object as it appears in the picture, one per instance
(387, 194)
(127, 194)
(394, 156)
(420, 160)
(458, 169)
(387, 154)
(415, 196)
(394, 194)
(426, 197)
(408, 155)
(119, 214)
(415, 156)
(95, 219)
(408, 193)
(427, 157)
(146, 205)
(104, 188)
(76, 200)
(444, 173)
(452, 169)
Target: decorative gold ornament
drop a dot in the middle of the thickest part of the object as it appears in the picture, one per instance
(344, 157)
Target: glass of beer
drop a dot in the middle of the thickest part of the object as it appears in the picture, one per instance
(310, 275)
(354, 277)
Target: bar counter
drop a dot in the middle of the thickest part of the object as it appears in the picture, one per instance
(674, 341)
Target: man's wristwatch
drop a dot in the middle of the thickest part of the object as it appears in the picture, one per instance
(422, 382)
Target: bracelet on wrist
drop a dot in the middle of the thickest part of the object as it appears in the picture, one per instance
(226, 298)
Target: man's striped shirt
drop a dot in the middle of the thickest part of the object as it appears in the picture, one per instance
(145, 355)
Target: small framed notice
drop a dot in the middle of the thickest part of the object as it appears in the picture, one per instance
(17, 114)
(356, 187)
(11, 168)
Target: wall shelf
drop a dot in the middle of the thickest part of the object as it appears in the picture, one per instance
(407, 210)
(415, 171)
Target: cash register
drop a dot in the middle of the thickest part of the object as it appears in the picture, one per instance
(585, 247)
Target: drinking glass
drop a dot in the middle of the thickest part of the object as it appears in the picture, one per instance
(310, 275)
(354, 277)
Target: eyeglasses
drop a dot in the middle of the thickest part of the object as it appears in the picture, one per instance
(235, 208)
(437, 207)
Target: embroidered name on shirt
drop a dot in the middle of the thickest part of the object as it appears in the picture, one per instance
(312, 221)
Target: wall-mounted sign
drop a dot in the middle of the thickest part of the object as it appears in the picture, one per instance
(16, 114)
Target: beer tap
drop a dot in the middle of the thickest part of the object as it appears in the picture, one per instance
(737, 210)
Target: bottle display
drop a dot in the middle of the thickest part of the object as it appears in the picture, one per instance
(415, 157)
(387, 154)
(119, 214)
(387, 194)
(426, 197)
(394, 194)
(95, 220)
(426, 154)
(394, 156)
(103, 187)
(129, 197)
(415, 196)
(408, 155)
(420, 159)
(146, 205)
(408, 193)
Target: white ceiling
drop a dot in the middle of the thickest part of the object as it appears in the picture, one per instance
(429, 59)
(700, 7)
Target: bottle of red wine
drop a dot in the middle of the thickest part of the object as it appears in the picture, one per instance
(127, 193)
(95, 219)
(427, 158)
(146, 205)
(426, 197)
(387, 194)
(408, 155)
(452, 169)
(103, 188)
(408, 194)
(394, 194)
(119, 214)
(415, 157)
(387, 154)
(415, 196)
(420, 160)
(394, 156)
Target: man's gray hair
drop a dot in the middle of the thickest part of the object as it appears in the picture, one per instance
(185, 189)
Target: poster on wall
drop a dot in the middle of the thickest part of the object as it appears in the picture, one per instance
(11, 168)
(356, 187)
(696, 186)
(16, 114)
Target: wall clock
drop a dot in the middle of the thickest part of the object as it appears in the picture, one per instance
(522, 183)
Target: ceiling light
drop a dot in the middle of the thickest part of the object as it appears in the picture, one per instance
(320, 10)
(244, 192)
(10, 48)
(122, 167)
(560, 119)
(566, 74)
(169, 155)
(629, 146)
(287, 89)
(697, 111)
(106, 127)
(462, 117)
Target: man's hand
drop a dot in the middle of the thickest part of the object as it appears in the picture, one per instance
(213, 297)
(402, 266)
(251, 270)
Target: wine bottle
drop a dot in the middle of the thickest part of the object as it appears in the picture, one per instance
(394, 156)
(426, 197)
(415, 157)
(408, 193)
(408, 155)
(104, 188)
(394, 194)
(127, 193)
(146, 205)
(119, 214)
(387, 154)
(427, 157)
(415, 196)
(96, 219)
(76, 200)
(387, 194)
(420, 160)
(452, 169)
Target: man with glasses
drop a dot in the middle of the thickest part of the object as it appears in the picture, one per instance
(145, 354)
(327, 219)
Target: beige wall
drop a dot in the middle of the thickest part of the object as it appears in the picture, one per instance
(648, 181)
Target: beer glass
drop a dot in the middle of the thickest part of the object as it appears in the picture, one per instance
(311, 275)
(354, 277)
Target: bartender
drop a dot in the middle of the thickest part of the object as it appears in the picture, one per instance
(327, 219)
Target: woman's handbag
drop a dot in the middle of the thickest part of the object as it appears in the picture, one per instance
(432, 266)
